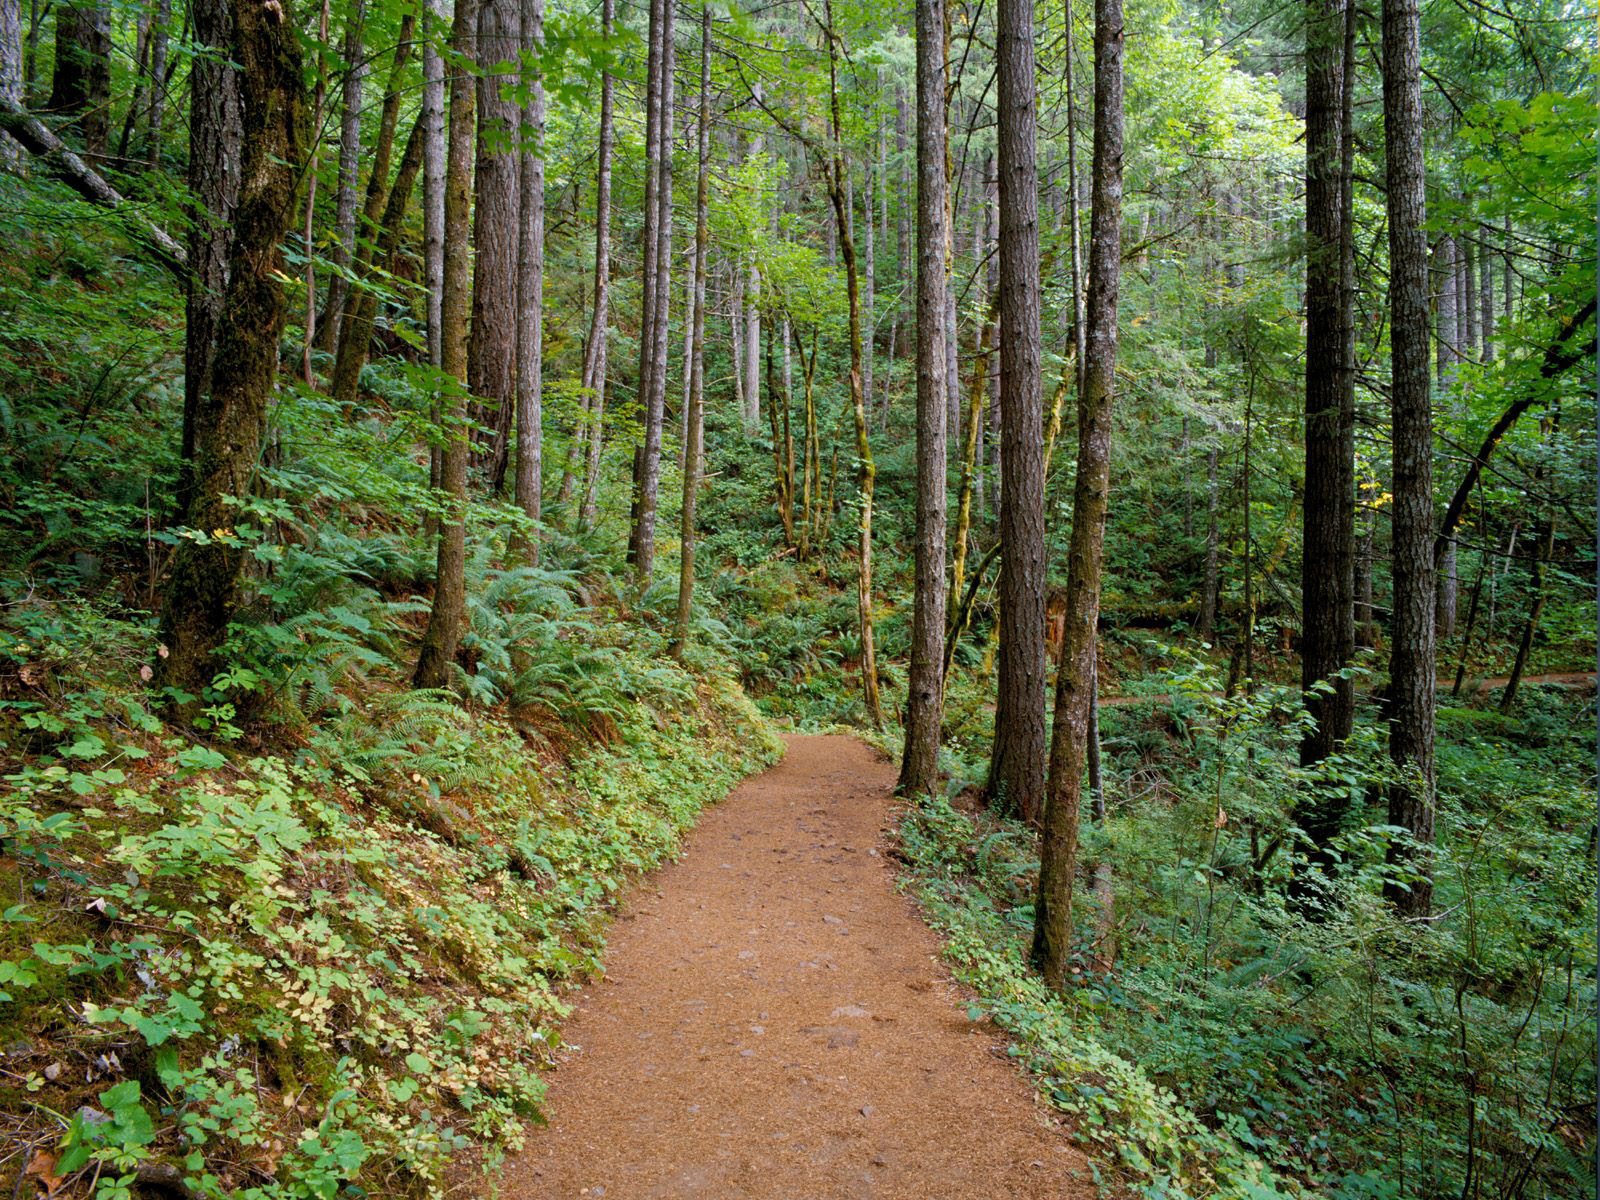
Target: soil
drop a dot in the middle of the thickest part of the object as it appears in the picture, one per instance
(774, 1022)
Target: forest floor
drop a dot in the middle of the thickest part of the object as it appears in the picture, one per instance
(774, 1021)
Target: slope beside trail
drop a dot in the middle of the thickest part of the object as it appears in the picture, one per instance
(774, 1022)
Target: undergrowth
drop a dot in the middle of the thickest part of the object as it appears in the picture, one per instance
(1217, 1042)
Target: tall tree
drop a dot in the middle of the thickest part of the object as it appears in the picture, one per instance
(360, 304)
(1058, 849)
(1016, 770)
(658, 289)
(433, 158)
(694, 417)
(492, 344)
(866, 468)
(81, 86)
(919, 764)
(448, 610)
(530, 280)
(215, 132)
(1410, 698)
(1327, 641)
(230, 418)
(10, 77)
(353, 54)
(595, 353)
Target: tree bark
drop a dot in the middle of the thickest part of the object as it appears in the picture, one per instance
(215, 133)
(1410, 699)
(203, 592)
(448, 611)
(529, 488)
(1327, 642)
(353, 54)
(919, 765)
(492, 342)
(694, 420)
(34, 136)
(1547, 537)
(1446, 346)
(595, 352)
(11, 156)
(385, 227)
(359, 305)
(1052, 937)
(653, 332)
(81, 86)
(433, 171)
(866, 469)
(1017, 766)
(156, 111)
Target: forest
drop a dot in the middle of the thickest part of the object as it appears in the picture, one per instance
(444, 447)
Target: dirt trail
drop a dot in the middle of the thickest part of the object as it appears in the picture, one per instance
(774, 1022)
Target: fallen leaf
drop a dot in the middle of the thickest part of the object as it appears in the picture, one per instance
(43, 1168)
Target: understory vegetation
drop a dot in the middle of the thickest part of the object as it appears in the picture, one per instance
(1218, 1043)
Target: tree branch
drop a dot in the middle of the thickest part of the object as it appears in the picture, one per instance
(66, 166)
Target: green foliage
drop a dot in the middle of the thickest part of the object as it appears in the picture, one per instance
(1236, 1045)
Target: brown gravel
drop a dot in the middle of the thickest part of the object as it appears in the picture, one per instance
(774, 1022)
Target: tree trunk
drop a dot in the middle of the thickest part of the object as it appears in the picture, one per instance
(362, 316)
(344, 223)
(360, 305)
(1210, 582)
(11, 156)
(433, 175)
(492, 342)
(1079, 330)
(448, 611)
(695, 428)
(595, 352)
(81, 86)
(1410, 699)
(869, 280)
(313, 177)
(1486, 299)
(1017, 766)
(752, 325)
(1327, 641)
(529, 487)
(156, 112)
(653, 332)
(1547, 536)
(782, 471)
(1052, 937)
(919, 765)
(866, 469)
(215, 130)
(230, 420)
(1446, 347)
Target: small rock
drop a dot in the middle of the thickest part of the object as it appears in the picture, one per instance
(879, 1160)
(747, 954)
(832, 920)
(867, 1110)
(850, 1010)
(758, 1030)
(747, 1054)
